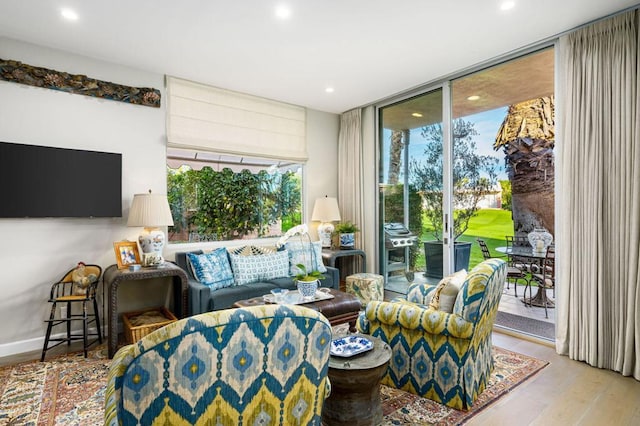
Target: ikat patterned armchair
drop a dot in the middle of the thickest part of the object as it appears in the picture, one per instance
(446, 357)
(262, 365)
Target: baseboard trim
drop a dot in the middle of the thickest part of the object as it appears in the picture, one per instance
(35, 344)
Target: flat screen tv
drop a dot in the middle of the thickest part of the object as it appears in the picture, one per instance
(40, 181)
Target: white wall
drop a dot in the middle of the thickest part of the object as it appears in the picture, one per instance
(36, 252)
(322, 168)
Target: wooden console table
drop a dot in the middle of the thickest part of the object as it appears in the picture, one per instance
(114, 276)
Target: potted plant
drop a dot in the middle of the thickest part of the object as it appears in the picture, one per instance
(307, 282)
(473, 177)
(346, 231)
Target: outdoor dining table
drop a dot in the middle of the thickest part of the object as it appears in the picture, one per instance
(540, 299)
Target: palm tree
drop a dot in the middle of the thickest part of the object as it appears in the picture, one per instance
(527, 137)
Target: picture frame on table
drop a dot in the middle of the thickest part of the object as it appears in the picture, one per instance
(126, 253)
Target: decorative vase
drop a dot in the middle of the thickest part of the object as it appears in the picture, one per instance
(307, 289)
(348, 240)
(540, 239)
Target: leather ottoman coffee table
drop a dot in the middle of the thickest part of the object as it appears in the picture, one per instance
(342, 308)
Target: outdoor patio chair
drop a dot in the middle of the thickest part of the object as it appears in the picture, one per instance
(514, 273)
(520, 262)
(545, 276)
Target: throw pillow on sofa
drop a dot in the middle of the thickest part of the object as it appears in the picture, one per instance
(306, 253)
(251, 250)
(212, 269)
(250, 269)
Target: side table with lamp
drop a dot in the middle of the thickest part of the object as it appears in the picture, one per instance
(152, 212)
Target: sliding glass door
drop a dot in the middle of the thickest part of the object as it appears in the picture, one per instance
(471, 158)
(413, 134)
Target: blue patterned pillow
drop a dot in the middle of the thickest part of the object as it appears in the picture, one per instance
(212, 269)
(300, 252)
(251, 269)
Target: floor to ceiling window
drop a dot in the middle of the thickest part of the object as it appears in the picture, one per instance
(472, 158)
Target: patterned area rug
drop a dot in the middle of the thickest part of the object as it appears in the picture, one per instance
(69, 390)
(65, 390)
(511, 369)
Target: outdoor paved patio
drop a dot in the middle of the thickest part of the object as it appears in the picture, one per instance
(510, 304)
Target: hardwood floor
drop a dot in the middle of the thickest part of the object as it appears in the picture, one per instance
(565, 392)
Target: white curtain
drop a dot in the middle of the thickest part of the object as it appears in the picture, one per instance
(598, 195)
(351, 172)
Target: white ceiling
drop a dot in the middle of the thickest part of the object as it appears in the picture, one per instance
(366, 49)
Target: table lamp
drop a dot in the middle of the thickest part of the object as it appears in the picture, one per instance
(325, 211)
(150, 211)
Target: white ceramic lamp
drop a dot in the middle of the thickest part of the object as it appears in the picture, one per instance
(325, 211)
(152, 212)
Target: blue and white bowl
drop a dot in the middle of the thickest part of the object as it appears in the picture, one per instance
(278, 294)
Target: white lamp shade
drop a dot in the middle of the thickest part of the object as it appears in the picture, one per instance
(150, 210)
(326, 210)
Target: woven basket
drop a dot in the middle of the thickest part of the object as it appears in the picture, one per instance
(134, 333)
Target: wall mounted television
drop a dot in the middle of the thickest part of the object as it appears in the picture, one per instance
(39, 181)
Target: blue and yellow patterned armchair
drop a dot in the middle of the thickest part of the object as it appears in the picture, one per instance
(446, 357)
(263, 365)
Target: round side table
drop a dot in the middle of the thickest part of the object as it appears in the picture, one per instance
(355, 387)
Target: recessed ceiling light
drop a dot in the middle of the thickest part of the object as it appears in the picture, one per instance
(507, 5)
(417, 114)
(329, 90)
(283, 11)
(473, 98)
(69, 14)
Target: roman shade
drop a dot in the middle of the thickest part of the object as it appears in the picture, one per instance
(207, 118)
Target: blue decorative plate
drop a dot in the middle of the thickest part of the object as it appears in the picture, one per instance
(350, 346)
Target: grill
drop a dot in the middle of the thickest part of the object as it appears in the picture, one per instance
(397, 240)
(397, 235)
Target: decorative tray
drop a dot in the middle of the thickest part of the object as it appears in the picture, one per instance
(349, 346)
(295, 298)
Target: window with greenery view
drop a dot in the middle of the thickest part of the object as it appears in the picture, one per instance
(227, 197)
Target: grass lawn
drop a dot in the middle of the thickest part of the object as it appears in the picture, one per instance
(492, 225)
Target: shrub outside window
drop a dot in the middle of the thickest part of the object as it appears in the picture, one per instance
(220, 197)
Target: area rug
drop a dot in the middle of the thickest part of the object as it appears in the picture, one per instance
(511, 369)
(69, 390)
(63, 390)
